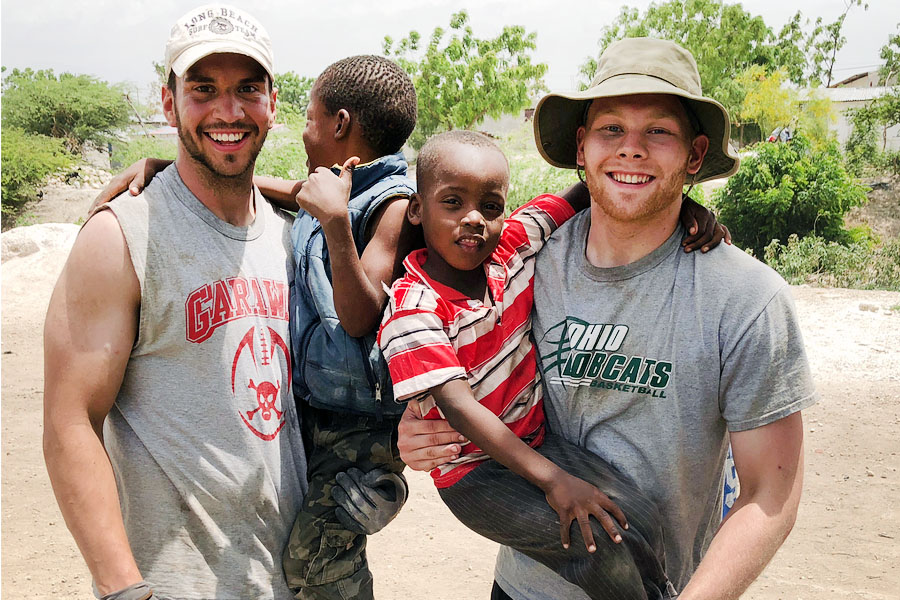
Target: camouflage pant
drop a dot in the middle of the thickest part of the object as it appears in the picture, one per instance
(324, 561)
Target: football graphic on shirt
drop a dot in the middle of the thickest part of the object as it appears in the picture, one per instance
(257, 381)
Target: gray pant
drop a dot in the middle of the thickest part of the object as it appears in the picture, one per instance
(504, 507)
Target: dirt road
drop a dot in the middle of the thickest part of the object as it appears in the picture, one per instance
(846, 544)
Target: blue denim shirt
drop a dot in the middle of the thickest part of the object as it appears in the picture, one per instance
(333, 370)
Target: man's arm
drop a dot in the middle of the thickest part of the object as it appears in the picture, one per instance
(137, 176)
(769, 462)
(88, 334)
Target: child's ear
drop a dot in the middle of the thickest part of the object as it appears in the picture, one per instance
(342, 126)
(414, 210)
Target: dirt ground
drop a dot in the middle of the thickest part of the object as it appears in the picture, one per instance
(845, 545)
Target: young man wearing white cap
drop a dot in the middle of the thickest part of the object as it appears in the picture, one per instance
(170, 434)
(652, 358)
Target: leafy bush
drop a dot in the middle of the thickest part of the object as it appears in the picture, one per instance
(27, 161)
(788, 188)
(76, 108)
(817, 261)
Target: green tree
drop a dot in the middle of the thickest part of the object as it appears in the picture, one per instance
(767, 100)
(789, 188)
(461, 79)
(76, 108)
(890, 54)
(824, 42)
(293, 92)
(724, 39)
(867, 145)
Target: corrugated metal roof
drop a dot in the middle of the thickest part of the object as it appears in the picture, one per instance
(850, 94)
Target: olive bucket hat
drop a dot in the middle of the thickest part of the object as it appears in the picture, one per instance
(637, 66)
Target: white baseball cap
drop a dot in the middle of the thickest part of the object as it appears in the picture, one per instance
(214, 29)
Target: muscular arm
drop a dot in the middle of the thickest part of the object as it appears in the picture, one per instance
(90, 328)
(769, 461)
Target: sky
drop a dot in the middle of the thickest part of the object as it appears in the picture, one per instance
(117, 40)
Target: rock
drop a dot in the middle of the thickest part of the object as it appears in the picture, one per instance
(20, 242)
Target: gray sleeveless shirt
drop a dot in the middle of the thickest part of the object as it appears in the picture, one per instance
(204, 434)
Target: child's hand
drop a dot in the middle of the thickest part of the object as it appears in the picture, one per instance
(703, 230)
(575, 499)
(133, 179)
(325, 195)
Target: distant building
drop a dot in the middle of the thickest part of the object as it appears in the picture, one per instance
(853, 96)
(864, 79)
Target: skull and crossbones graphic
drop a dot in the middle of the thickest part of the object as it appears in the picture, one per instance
(263, 351)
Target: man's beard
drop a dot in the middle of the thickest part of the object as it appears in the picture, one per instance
(637, 209)
(213, 172)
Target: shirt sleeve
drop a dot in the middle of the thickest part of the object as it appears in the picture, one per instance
(533, 222)
(418, 352)
(765, 375)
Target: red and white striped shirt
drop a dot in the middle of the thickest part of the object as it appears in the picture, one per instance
(432, 334)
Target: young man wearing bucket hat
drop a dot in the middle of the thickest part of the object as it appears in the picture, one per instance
(170, 434)
(652, 358)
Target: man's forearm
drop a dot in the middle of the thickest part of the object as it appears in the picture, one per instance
(769, 462)
(85, 489)
(743, 546)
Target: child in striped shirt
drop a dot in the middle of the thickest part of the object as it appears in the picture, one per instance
(456, 338)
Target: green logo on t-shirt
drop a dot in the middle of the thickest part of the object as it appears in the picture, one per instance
(575, 353)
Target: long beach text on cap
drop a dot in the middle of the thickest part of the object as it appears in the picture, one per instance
(220, 20)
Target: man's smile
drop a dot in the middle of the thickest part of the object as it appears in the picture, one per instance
(630, 178)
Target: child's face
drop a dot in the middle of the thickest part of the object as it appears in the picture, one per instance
(460, 206)
(318, 135)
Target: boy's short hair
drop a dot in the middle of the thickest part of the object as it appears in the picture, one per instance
(430, 153)
(379, 95)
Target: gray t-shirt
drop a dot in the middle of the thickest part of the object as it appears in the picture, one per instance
(204, 434)
(649, 365)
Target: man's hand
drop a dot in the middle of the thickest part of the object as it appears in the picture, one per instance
(367, 502)
(325, 195)
(703, 231)
(577, 500)
(133, 179)
(425, 444)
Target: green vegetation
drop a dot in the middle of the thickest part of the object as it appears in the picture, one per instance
(788, 188)
(858, 265)
(461, 80)
(866, 148)
(734, 49)
(27, 161)
(293, 93)
(283, 154)
(75, 108)
(142, 146)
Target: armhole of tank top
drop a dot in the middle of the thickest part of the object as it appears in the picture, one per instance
(141, 277)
